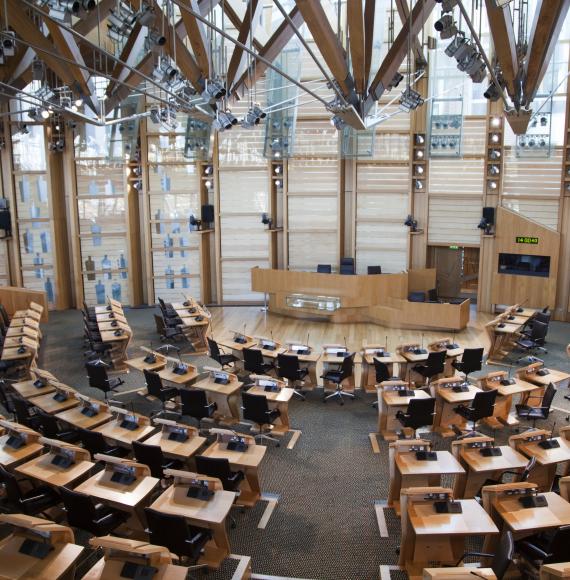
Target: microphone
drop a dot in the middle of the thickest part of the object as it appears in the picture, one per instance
(308, 338)
(244, 325)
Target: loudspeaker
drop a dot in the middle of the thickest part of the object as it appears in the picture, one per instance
(489, 215)
(6, 222)
(208, 214)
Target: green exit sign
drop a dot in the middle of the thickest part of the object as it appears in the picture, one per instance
(526, 240)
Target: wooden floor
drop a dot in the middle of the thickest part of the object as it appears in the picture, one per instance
(258, 323)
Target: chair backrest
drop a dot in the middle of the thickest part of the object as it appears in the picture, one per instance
(21, 410)
(548, 398)
(472, 360)
(49, 425)
(214, 349)
(432, 295)
(215, 467)
(539, 332)
(324, 268)
(346, 266)
(150, 455)
(417, 296)
(347, 367)
(483, 404)
(79, 507)
(288, 366)
(382, 371)
(420, 412)
(255, 408)
(528, 469)
(374, 269)
(4, 315)
(153, 383)
(159, 323)
(504, 555)
(253, 360)
(436, 362)
(194, 403)
(93, 441)
(543, 317)
(6, 399)
(11, 486)
(559, 545)
(168, 530)
(162, 304)
(98, 377)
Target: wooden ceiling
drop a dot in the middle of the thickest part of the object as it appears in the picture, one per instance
(75, 53)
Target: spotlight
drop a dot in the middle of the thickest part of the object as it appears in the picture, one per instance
(278, 169)
(543, 121)
(33, 114)
(208, 170)
(457, 43)
(480, 73)
(446, 27)
(231, 117)
(398, 78)
(495, 154)
(278, 183)
(214, 90)
(420, 140)
(78, 102)
(419, 184)
(419, 169)
(259, 111)
(492, 93)
(208, 184)
(492, 184)
(447, 5)
(8, 43)
(338, 123)
(465, 52)
(496, 122)
(154, 37)
(494, 170)
(495, 138)
(44, 114)
(225, 121)
(531, 142)
(410, 100)
(419, 154)
(23, 129)
(88, 5)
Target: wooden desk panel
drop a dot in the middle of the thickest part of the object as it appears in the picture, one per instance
(42, 470)
(76, 418)
(180, 450)
(111, 569)
(9, 457)
(124, 437)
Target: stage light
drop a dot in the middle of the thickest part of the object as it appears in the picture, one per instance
(44, 114)
(154, 37)
(213, 90)
(398, 78)
(496, 122)
(492, 93)
(447, 5)
(495, 138)
(338, 123)
(446, 27)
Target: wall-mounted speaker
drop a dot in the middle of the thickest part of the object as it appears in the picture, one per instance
(208, 214)
(489, 215)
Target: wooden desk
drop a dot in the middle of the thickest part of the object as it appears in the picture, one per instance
(429, 537)
(124, 437)
(451, 354)
(547, 461)
(330, 359)
(446, 399)
(411, 472)
(28, 390)
(10, 458)
(406, 351)
(368, 372)
(237, 348)
(168, 374)
(131, 498)
(502, 338)
(226, 396)
(554, 571)
(196, 331)
(248, 461)
(461, 573)
(179, 450)
(41, 469)
(108, 569)
(205, 514)
(389, 403)
(308, 361)
(139, 363)
(49, 405)
(478, 468)
(76, 418)
(280, 401)
(560, 379)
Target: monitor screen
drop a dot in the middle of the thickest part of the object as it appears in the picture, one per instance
(524, 265)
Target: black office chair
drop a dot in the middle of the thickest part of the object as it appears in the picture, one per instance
(547, 547)
(432, 295)
(96, 518)
(517, 476)
(35, 501)
(156, 389)
(4, 315)
(95, 443)
(324, 268)
(288, 367)
(25, 413)
(501, 559)
(174, 533)
(482, 406)
(382, 371)
(99, 379)
(255, 408)
(337, 376)
(220, 468)
(195, 404)
(419, 413)
(434, 365)
(374, 270)
(168, 332)
(535, 341)
(541, 413)
(221, 358)
(347, 266)
(253, 362)
(471, 361)
(152, 456)
(51, 428)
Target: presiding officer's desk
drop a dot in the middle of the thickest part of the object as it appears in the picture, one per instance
(247, 460)
(447, 399)
(407, 470)
(177, 441)
(498, 381)
(211, 513)
(390, 401)
(222, 388)
(429, 537)
(18, 444)
(30, 532)
(359, 298)
(380, 352)
(121, 551)
(473, 453)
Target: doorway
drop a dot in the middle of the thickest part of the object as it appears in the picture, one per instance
(457, 271)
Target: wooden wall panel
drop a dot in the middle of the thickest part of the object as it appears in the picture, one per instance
(543, 211)
(312, 176)
(456, 176)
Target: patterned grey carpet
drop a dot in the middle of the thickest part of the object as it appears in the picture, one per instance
(324, 526)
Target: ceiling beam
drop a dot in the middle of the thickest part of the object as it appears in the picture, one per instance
(404, 12)
(329, 45)
(504, 42)
(197, 36)
(131, 82)
(548, 20)
(270, 51)
(369, 16)
(390, 65)
(355, 18)
(127, 56)
(246, 31)
(236, 21)
(90, 20)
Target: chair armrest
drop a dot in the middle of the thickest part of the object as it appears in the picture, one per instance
(479, 554)
(535, 551)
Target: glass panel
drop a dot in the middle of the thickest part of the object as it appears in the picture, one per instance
(28, 149)
(32, 196)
